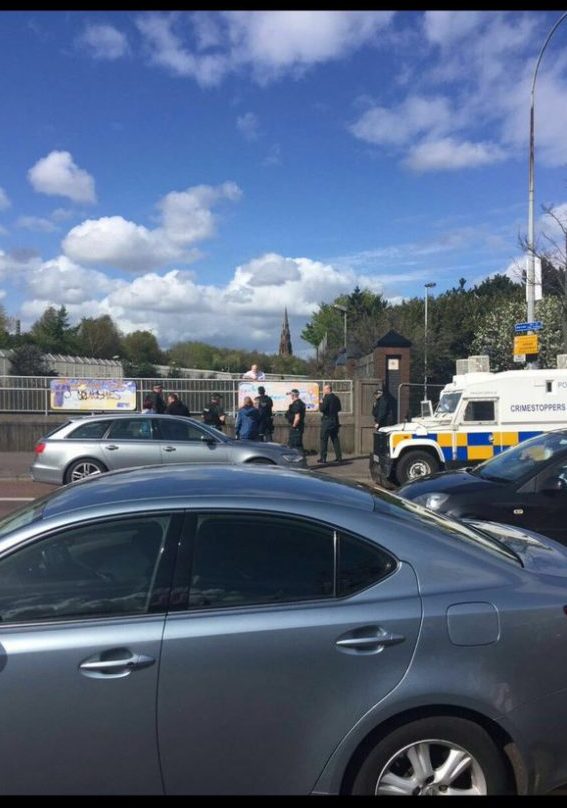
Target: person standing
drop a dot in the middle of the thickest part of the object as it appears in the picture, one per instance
(382, 408)
(329, 408)
(213, 413)
(265, 408)
(148, 406)
(157, 398)
(255, 374)
(247, 421)
(175, 406)
(295, 416)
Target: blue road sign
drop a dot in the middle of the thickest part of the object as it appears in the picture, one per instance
(537, 326)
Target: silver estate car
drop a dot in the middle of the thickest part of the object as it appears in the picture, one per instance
(87, 445)
(243, 630)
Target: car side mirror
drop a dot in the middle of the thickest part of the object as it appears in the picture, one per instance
(208, 439)
(553, 484)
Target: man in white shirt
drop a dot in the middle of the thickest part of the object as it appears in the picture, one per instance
(255, 374)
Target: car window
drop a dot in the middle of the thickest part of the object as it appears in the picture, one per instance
(131, 429)
(179, 431)
(255, 559)
(92, 430)
(525, 458)
(104, 569)
(479, 411)
(360, 565)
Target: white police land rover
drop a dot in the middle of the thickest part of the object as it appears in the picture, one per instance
(478, 416)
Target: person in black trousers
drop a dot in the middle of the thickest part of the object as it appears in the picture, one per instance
(330, 407)
(295, 416)
(265, 407)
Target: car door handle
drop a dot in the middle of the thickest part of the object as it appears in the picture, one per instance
(169, 449)
(373, 639)
(99, 668)
(111, 447)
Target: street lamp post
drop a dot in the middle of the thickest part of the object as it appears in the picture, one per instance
(344, 311)
(530, 274)
(428, 286)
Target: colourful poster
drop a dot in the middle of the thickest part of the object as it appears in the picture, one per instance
(279, 393)
(92, 394)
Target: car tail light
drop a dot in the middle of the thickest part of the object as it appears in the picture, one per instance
(39, 447)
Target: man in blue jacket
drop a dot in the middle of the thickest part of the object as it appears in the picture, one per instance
(247, 421)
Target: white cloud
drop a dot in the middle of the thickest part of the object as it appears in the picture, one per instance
(448, 154)
(446, 28)
(104, 42)
(248, 125)
(416, 115)
(36, 224)
(62, 280)
(58, 175)
(186, 218)
(246, 311)
(4, 201)
(268, 43)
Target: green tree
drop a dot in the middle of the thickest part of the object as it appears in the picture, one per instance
(53, 333)
(99, 337)
(141, 348)
(28, 360)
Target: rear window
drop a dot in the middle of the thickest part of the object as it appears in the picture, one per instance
(23, 516)
(90, 430)
(56, 428)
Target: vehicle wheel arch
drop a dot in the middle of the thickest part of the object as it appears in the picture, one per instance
(261, 460)
(439, 465)
(513, 761)
(85, 459)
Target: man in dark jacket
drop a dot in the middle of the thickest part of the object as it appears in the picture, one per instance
(213, 413)
(382, 409)
(330, 407)
(265, 407)
(295, 416)
(157, 398)
(175, 406)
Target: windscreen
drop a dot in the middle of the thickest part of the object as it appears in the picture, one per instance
(524, 459)
(448, 403)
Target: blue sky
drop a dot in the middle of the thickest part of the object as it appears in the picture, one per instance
(193, 173)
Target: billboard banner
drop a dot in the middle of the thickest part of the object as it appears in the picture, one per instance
(279, 393)
(92, 394)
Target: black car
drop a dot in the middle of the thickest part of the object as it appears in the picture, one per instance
(525, 486)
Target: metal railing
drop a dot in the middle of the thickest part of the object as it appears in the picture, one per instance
(31, 394)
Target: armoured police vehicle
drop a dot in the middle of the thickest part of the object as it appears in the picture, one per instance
(478, 416)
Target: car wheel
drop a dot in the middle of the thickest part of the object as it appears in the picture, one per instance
(85, 467)
(413, 465)
(261, 460)
(438, 756)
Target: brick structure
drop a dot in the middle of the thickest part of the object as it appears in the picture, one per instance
(392, 360)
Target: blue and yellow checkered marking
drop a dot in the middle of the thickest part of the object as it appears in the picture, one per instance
(470, 446)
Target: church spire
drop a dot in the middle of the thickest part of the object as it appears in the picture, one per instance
(285, 338)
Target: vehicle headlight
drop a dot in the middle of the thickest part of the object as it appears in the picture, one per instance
(432, 501)
(293, 458)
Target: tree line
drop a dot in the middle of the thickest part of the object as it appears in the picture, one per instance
(139, 351)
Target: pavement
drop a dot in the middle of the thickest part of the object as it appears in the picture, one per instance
(16, 465)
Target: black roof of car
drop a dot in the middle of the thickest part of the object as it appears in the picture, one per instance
(198, 481)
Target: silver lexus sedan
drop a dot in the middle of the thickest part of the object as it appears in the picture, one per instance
(243, 630)
(87, 445)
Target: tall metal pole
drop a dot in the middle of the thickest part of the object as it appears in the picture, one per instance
(530, 274)
(428, 286)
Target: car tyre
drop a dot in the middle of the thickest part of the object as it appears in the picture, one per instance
(413, 465)
(85, 467)
(437, 756)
